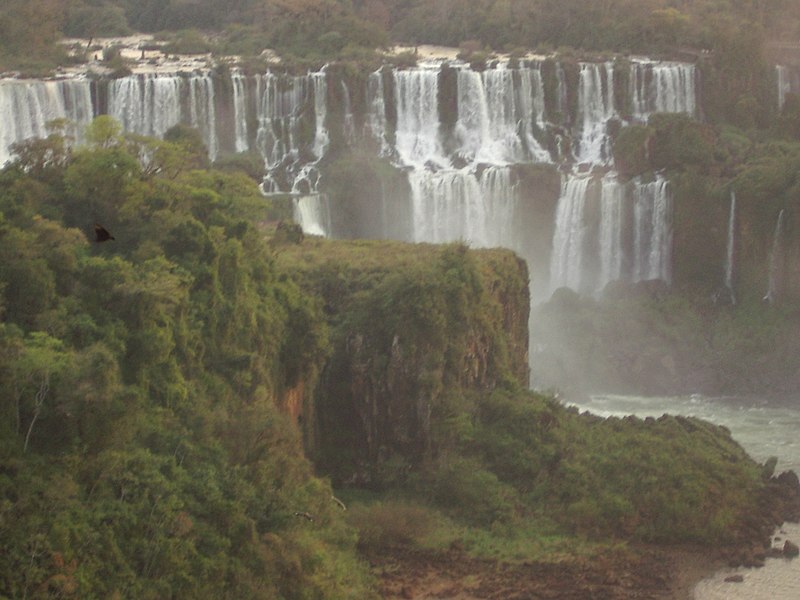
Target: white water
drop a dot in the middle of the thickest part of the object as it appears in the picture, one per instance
(586, 256)
(349, 123)
(461, 181)
(566, 263)
(375, 121)
(496, 117)
(240, 87)
(146, 104)
(662, 87)
(764, 429)
(418, 139)
(612, 201)
(26, 107)
(775, 261)
(313, 214)
(202, 111)
(788, 82)
(595, 108)
(729, 250)
(652, 211)
(458, 205)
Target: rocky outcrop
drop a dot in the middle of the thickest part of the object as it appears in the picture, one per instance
(412, 328)
(780, 502)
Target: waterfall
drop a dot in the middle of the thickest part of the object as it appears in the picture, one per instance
(729, 251)
(239, 86)
(26, 107)
(788, 82)
(202, 110)
(784, 84)
(282, 138)
(532, 93)
(457, 205)
(321, 137)
(279, 105)
(462, 170)
(417, 137)
(774, 261)
(567, 258)
(146, 104)
(652, 210)
(375, 122)
(561, 93)
(661, 87)
(348, 123)
(612, 201)
(312, 213)
(149, 104)
(595, 108)
(496, 117)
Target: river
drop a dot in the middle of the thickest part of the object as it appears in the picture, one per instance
(764, 428)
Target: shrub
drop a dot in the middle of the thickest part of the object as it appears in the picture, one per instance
(390, 523)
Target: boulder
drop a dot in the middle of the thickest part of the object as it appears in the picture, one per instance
(790, 550)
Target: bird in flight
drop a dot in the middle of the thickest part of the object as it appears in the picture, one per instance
(101, 233)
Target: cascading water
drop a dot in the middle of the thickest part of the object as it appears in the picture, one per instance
(652, 210)
(567, 258)
(26, 107)
(661, 87)
(313, 214)
(496, 116)
(146, 104)
(348, 119)
(595, 109)
(612, 204)
(283, 116)
(454, 205)
(375, 122)
(418, 140)
(729, 250)
(592, 223)
(775, 261)
(202, 110)
(240, 95)
(462, 175)
(788, 82)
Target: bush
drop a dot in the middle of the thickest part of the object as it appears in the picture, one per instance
(391, 523)
(472, 493)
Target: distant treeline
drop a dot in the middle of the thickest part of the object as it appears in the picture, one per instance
(306, 27)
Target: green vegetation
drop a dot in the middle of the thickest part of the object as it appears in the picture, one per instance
(423, 402)
(161, 393)
(143, 450)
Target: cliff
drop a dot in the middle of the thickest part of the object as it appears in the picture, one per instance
(410, 326)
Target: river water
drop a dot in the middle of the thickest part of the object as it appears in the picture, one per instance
(764, 429)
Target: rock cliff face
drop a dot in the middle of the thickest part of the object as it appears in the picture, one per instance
(413, 328)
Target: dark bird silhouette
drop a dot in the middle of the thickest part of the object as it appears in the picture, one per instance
(101, 233)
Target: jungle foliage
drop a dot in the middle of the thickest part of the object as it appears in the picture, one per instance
(143, 448)
(152, 442)
(409, 327)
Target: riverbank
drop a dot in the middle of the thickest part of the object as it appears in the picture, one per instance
(638, 573)
(632, 571)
